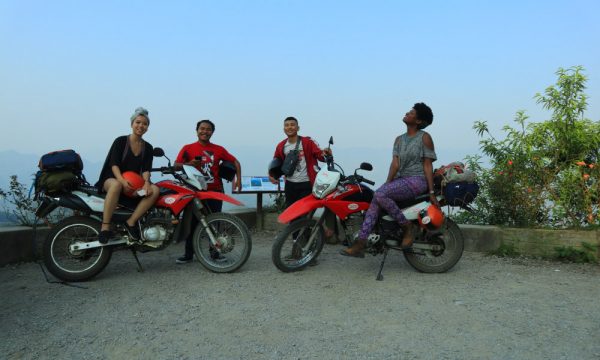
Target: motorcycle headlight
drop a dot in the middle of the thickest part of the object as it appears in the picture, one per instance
(319, 190)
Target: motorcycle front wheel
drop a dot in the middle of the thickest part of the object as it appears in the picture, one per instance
(449, 240)
(74, 265)
(290, 251)
(233, 243)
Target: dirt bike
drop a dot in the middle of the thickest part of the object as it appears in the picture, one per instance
(72, 252)
(301, 241)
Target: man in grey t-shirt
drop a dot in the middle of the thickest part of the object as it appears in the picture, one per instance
(299, 183)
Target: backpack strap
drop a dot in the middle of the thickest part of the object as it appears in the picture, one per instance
(298, 142)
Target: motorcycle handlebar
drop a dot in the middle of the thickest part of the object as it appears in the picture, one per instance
(357, 178)
(164, 169)
(372, 183)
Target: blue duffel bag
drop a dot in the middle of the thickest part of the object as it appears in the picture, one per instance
(460, 193)
(61, 160)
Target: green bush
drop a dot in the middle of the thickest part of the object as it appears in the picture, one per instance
(542, 174)
(586, 254)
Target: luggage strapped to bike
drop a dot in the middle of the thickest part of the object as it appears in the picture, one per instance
(457, 184)
(60, 171)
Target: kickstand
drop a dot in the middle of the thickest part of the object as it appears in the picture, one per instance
(140, 268)
(379, 275)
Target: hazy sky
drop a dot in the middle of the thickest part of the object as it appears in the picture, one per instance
(72, 72)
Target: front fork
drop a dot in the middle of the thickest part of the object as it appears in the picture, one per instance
(198, 206)
(314, 231)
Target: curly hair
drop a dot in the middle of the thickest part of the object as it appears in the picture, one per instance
(424, 114)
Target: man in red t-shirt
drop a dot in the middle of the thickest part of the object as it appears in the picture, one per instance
(206, 157)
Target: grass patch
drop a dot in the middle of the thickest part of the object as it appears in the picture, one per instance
(587, 253)
(505, 250)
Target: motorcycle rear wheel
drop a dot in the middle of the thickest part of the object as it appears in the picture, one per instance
(450, 238)
(235, 243)
(74, 265)
(287, 253)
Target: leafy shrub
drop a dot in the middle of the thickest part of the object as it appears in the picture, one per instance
(571, 254)
(542, 174)
(17, 203)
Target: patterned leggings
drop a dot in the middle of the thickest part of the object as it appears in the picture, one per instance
(385, 198)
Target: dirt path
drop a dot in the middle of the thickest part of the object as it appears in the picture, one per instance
(485, 308)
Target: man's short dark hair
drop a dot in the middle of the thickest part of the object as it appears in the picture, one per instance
(205, 121)
(291, 118)
(424, 114)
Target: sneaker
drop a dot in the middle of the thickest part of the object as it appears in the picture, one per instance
(133, 232)
(104, 236)
(184, 259)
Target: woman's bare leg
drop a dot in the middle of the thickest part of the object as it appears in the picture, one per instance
(143, 206)
(113, 190)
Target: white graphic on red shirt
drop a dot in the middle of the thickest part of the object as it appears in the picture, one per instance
(207, 162)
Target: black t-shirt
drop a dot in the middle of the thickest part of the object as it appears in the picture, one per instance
(121, 155)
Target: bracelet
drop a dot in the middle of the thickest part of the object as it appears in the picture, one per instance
(431, 192)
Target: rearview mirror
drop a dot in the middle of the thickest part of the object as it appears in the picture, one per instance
(158, 152)
(366, 166)
(331, 140)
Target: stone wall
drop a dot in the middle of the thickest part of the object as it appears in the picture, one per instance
(16, 243)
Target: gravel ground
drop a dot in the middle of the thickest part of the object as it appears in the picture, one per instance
(484, 308)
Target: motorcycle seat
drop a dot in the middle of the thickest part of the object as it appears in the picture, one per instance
(402, 204)
(90, 190)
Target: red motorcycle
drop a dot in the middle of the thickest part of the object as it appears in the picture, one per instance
(72, 252)
(437, 247)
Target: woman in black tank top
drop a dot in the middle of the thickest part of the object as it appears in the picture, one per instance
(127, 153)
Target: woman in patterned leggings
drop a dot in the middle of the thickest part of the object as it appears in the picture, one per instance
(410, 174)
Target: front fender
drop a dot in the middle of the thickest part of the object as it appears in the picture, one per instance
(215, 195)
(300, 208)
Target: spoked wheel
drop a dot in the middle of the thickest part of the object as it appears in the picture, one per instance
(75, 265)
(449, 248)
(233, 243)
(297, 245)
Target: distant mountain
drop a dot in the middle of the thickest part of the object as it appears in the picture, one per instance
(7, 220)
(14, 163)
